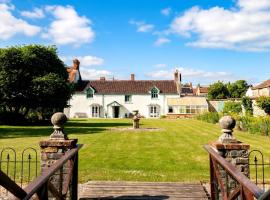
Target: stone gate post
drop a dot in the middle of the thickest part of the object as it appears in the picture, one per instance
(55, 147)
(230, 148)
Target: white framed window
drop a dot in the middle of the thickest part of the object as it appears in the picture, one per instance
(153, 111)
(193, 109)
(95, 111)
(154, 93)
(128, 98)
(89, 93)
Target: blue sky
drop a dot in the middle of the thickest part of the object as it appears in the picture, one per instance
(206, 40)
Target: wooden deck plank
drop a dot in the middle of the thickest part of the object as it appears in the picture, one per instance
(95, 190)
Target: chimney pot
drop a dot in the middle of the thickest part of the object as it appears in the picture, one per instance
(132, 77)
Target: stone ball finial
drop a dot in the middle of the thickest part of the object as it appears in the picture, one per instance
(58, 120)
(227, 123)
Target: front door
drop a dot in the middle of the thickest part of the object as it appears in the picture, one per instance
(116, 111)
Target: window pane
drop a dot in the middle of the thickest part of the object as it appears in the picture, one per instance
(154, 93)
(182, 110)
(89, 93)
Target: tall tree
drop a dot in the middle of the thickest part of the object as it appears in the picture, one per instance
(32, 77)
(237, 89)
(218, 90)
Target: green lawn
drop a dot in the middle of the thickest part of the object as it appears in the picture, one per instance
(174, 153)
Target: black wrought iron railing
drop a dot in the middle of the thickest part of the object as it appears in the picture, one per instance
(42, 185)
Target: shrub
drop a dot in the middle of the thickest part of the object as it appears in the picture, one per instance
(12, 118)
(255, 125)
(264, 103)
(244, 122)
(210, 117)
(260, 125)
(247, 104)
(265, 126)
(232, 107)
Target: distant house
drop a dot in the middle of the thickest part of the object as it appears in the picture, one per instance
(262, 89)
(201, 91)
(187, 90)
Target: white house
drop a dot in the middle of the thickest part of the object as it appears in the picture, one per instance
(263, 89)
(119, 98)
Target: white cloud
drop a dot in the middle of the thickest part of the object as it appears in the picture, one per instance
(68, 27)
(244, 27)
(142, 26)
(166, 11)
(252, 5)
(162, 40)
(161, 65)
(37, 13)
(85, 61)
(95, 74)
(88, 61)
(10, 25)
(190, 74)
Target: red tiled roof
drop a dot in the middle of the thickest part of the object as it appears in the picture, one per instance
(203, 89)
(264, 84)
(128, 86)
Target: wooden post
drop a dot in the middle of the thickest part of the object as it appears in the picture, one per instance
(74, 182)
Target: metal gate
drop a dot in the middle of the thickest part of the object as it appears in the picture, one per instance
(20, 167)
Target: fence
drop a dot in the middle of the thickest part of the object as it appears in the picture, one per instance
(43, 187)
(20, 167)
(259, 169)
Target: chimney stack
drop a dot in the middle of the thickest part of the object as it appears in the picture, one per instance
(177, 80)
(102, 78)
(76, 64)
(176, 76)
(132, 77)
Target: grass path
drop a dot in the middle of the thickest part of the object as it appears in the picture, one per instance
(173, 153)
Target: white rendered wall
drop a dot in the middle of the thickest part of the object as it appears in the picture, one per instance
(80, 104)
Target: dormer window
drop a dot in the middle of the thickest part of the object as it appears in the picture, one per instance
(154, 93)
(89, 93)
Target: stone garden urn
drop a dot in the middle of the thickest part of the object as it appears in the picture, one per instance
(136, 119)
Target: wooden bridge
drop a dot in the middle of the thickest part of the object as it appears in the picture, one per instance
(141, 191)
